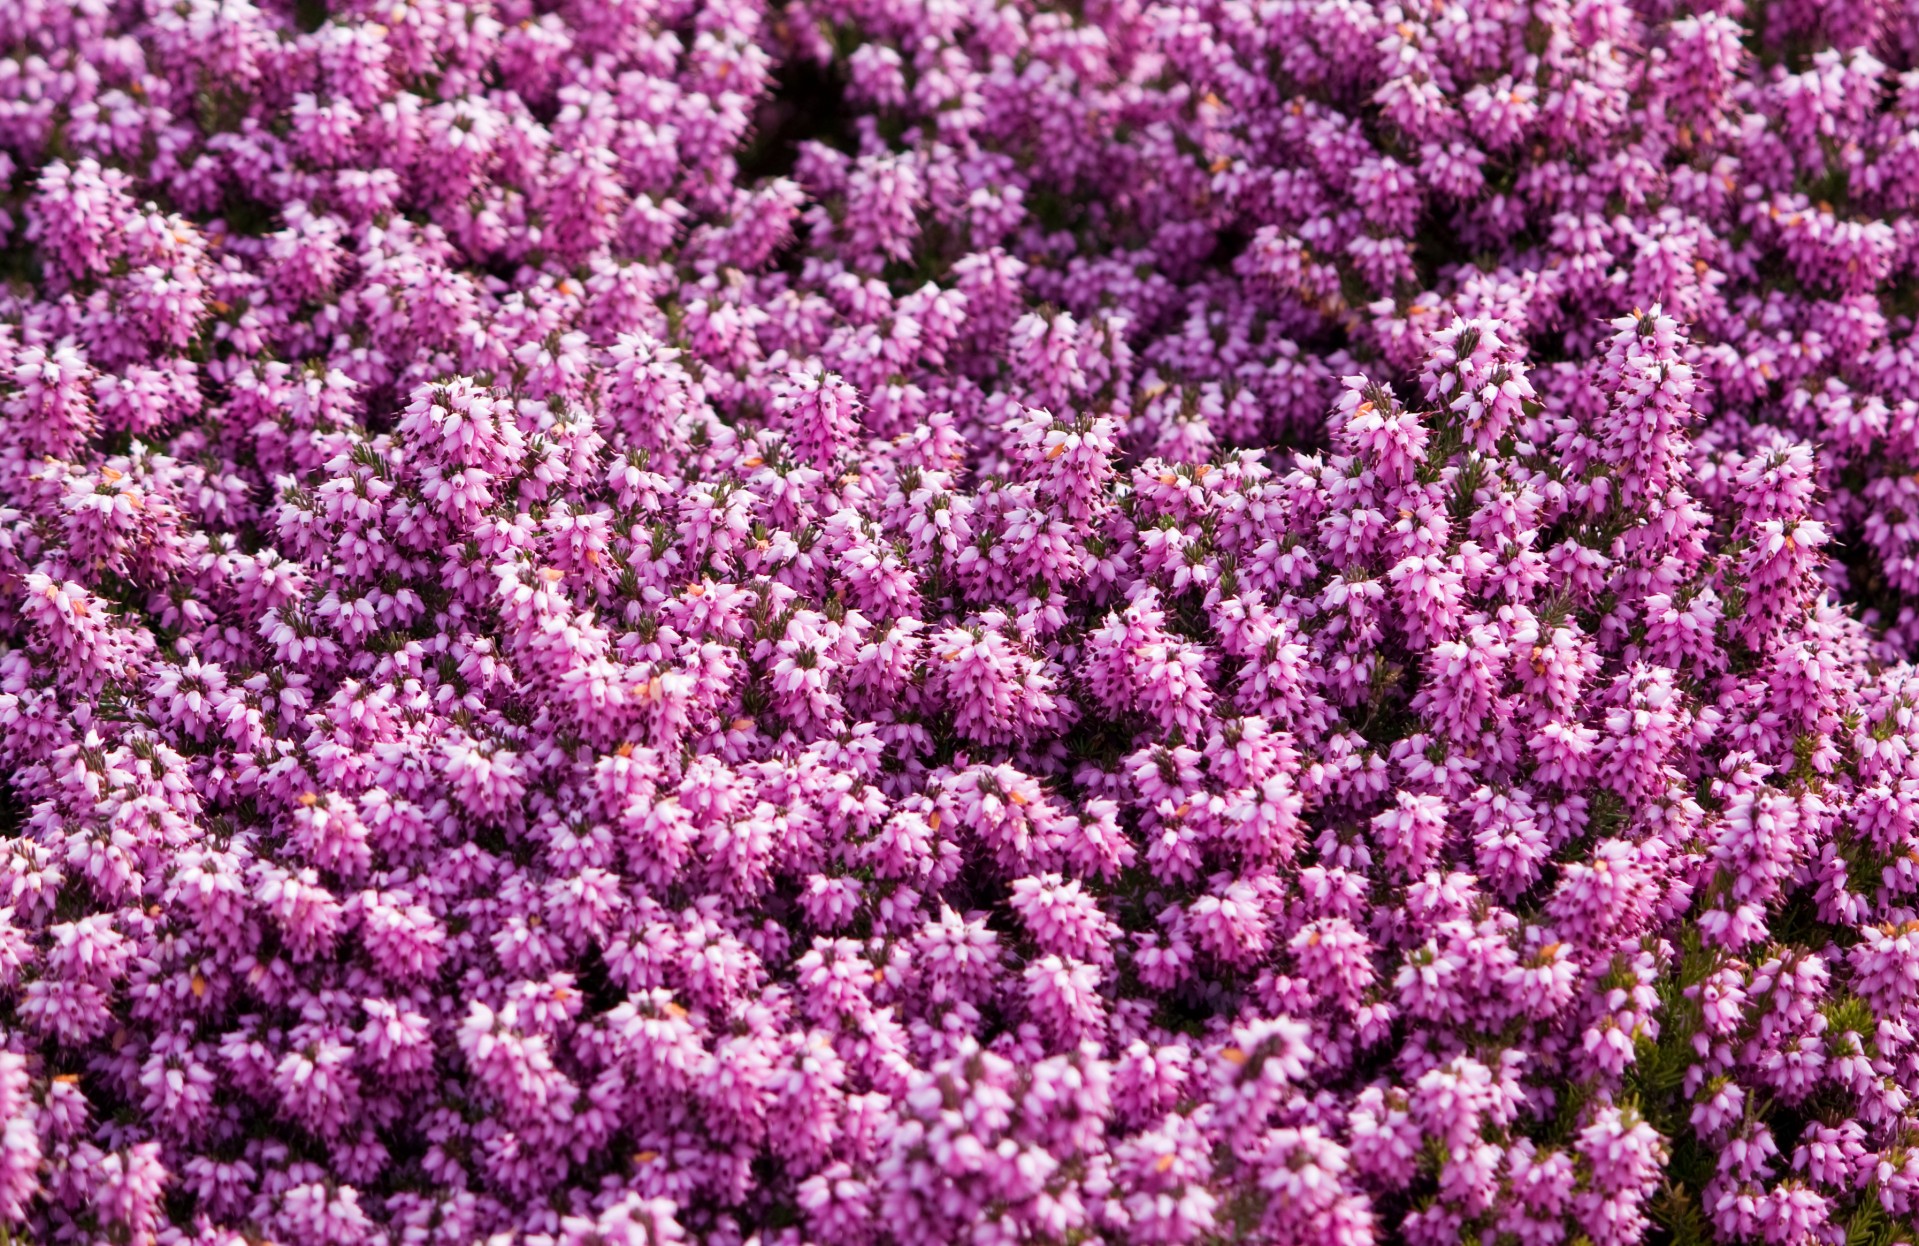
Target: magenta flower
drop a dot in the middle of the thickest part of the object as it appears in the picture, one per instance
(866, 623)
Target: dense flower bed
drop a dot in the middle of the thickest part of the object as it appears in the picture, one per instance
(935, 621)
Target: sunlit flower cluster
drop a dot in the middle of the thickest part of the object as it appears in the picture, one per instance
(850, 623)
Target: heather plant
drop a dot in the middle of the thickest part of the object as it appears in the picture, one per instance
(836, 623)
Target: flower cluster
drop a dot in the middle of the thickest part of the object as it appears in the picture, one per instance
(836, 623)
